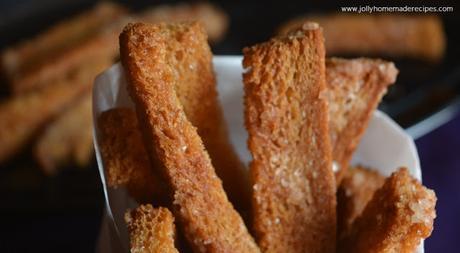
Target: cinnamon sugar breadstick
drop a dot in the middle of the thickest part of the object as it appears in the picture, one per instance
(22, 116)
(355, 88)
(25, 58)
(68, 139)
(287, 119)
(398, 217)
(420, 37)
(125, 159)
(208, 219)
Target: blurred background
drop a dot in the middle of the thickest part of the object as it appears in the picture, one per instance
(51, 194)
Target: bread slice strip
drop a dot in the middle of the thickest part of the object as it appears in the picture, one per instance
(355, 88)
(68, 139)
(398, 217)
(207, 217)
(286, 116)
(214, 20)
(102, 46)
(125, 158)
(196, 90)
(355, 191)
(18, 60)
(415, 36)
(151, 230)
(22, 116)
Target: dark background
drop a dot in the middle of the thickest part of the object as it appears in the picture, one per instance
(62, 213)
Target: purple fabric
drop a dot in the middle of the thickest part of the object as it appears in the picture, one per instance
(440, 161)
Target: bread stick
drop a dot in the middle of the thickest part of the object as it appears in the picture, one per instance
(355, 88)
(125, 158)
(355, 191)
(398, 217)
(151, 230)
(101, 46)
(419, 37)
(200, 204)
(198, 96)
(287, 120)
(68, 139)
(18, 60)
(22, 116)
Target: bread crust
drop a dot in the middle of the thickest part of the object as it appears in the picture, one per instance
(355, 88)
(286, 116)
(200, 204)
(151, 230)
(420, 37)
(398, 217)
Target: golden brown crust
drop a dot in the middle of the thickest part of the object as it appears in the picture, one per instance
(125, 159)
(151, 230)
(384, 34)
(355, 191)
(214, 19)
(355, 88)
(18, 61)
(22, 116)
(398, 217)
(68, 139)
(207, 217)
(287, 120)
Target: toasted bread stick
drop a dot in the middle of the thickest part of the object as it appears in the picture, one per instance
(18, 60)
(198, 96)
(101, 46)
(125, 159)
(398, 217)
(151, 230)
(355, 88)
(287, 120)
(22, 116)
(355, 191)
(208, 219)
(68, 139)
(214, 19)
(420, 37)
